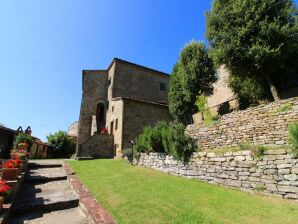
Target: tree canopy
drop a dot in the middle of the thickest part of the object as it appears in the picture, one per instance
(192, 75)
(60, 144)
(255, 39)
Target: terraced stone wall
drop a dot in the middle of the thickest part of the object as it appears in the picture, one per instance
(275, 173)
(265, 124)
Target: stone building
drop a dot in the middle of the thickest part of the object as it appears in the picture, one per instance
(122, 99)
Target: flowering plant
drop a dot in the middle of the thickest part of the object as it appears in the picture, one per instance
(13, 163)
(103, 131)
(4, 188)
(23, 146)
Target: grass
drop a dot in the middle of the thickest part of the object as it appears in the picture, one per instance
(139, 195)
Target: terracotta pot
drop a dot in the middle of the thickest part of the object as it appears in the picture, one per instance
(9, 173)
(1, 202)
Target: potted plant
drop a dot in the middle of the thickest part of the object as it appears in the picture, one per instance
(4, 190)
(11, 169)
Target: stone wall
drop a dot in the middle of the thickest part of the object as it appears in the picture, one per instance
(137, 115)
(97, 146)
(138, 82)
(265, 124)
(275, 173)
(95, 84)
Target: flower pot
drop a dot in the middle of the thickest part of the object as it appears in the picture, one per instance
(1, 202)
(13, 155)
(9, 173)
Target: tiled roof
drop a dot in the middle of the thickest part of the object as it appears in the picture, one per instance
(140, 100)
(137, 65)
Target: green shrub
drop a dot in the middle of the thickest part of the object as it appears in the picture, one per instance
(60, 145)
(22, 137)
(293, 133)
(259, 151)
(170, 139)
(128, 153)
(203, 108)
(245, 146)
(285, 107)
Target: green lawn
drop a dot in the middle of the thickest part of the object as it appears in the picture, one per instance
(139, 195)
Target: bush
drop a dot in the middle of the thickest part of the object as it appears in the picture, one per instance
(170, 139)
(60, 145)
(22, 137)
(293, 133)
(259, 151)
(203, 108)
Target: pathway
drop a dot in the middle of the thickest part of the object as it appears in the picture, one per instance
(47, 197)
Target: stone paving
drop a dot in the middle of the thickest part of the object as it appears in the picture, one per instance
(47, 197)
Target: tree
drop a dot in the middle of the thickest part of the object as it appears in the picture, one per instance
(60, 144)
(193, 74)
(254, 38)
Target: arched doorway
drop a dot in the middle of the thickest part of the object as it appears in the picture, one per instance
(100, 116)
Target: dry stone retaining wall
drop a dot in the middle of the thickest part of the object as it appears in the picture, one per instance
(264, 124)
(275, 173)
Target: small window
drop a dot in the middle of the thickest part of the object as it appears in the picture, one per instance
(116, 124)
(112, 108)
(162, 86)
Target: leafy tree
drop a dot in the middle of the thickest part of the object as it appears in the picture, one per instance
(255, 39)
(60, 144)
(192, 74)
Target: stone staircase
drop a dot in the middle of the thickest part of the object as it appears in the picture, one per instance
(47, 197)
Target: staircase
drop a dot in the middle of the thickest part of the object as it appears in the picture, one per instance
(47, 197)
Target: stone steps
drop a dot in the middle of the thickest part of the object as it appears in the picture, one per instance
(50, 196)
(67, 216)
(36, 164)
(43, 175)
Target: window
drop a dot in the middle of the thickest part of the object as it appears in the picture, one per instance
(112, 108)
(112, 128)
(162, 86)
(116, 124)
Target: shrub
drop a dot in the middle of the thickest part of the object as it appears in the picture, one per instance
(245, 146)
(60, 145)
(293, 133)
(128, 153)
(170, 139)
(259, 151)
(285, 107)
(202, 107)
(23, 138)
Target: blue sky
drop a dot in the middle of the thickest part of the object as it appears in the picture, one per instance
(45, 45)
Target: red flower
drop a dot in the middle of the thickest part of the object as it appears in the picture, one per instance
(13, 163)
(4, 188)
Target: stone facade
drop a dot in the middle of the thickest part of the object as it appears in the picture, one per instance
(264, 124)
(108, 96)
(139, 114)
(223, 99)
(97, 146)
(275, 173)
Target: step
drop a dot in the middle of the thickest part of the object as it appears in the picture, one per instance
(50, 196)
(68, 216)
(35, 164)
(43, 175)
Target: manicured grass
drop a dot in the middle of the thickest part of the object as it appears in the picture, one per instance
(139, 195)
